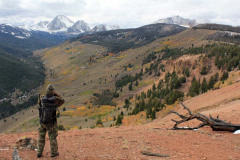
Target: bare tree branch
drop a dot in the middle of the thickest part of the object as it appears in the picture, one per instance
(215, 123)
(147, 153)
(185, 107)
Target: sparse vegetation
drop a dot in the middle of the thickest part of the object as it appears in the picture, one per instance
(61, 127)
(104, 98)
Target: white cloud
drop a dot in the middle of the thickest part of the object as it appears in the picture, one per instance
(127, 13)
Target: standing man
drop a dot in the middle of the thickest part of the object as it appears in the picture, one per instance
(48, 120)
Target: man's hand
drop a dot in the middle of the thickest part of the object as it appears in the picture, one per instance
(55, 93)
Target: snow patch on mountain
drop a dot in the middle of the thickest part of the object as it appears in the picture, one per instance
(104, 27)
(15, 31)
(112, 27)
(79, 27)
(99, 28)
(60, 23)
(202, 21)
(63, 25)
(182, 21)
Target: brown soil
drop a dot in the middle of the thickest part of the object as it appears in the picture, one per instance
(126, 142)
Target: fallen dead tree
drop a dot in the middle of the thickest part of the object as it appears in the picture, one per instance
(147, 153)
(215, 123)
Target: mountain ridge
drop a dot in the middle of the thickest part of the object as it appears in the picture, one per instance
(65, 25)
(122, 39)
(182, 21)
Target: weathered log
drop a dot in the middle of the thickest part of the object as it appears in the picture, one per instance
(147, 153)
(215, 123)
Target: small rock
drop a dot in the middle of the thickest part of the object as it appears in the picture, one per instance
(26, 143)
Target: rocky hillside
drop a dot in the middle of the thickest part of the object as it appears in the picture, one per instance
(129, 142)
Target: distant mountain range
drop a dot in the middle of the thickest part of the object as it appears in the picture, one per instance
(21, 41)
(64, 25)
(123, 39)
(182, 21)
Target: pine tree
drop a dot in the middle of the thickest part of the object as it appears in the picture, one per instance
(149, 92)
(122, 113)
(119, 120)
(143, 95)
(204, 85)
(224, 76)
(126, 101)
(130, 87)
(121, 90)
(211, 82)
(194, 88)
(204, 70)
(216, 77)
(154, 87)
(149, 112)
(153, 115)
(218, 62)
(141, 105)
(136, 84)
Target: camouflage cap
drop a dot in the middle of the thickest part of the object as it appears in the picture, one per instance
(50, 89)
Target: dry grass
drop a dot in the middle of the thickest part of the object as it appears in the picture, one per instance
(93, 112)
(140, 118)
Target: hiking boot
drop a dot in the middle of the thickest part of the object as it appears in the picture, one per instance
(54, 155)
(39, 155)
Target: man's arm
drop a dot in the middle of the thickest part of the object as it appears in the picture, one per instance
(59, 100)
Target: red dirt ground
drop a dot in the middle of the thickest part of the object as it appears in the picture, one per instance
(126, 142)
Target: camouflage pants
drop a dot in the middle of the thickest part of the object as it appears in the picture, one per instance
(52, 134)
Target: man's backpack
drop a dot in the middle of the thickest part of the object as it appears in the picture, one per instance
(48, 110)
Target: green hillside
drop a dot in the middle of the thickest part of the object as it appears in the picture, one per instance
(123, 39)
(24, 74)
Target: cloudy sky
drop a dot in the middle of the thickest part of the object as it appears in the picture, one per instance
(126, 13)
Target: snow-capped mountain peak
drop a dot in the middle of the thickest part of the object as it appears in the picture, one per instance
(79, 27)
(14, 31)
(182, 21)
(104, 27)
(43, 24)
(99, 28)
(63, 25)
(60, 23)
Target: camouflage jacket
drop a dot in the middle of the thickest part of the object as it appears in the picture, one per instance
(58, 102)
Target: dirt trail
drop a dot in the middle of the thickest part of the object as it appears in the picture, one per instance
(126, 142)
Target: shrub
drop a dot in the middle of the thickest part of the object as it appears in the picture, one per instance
(183, 79)
(204, 70)
(61, 127)
(99, 122)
